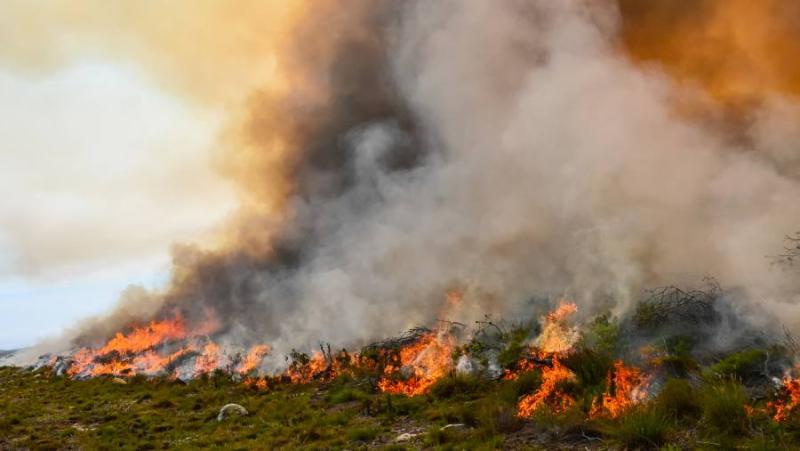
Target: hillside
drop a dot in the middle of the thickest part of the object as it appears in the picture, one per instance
(708, 409)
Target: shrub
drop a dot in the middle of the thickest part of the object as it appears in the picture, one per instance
(723, 408)
(743, 365)
(345, 394)
(458, 384)
(511, 391)
(678, 400)
(572, 418)
(362, 434)
(601, 335)
(679, 365)
(641, 427)
(436, 436)
(402, 405)
(678, 360)
(515, 345)
(590, 367)
(499, 419)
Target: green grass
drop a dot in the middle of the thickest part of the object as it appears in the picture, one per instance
(723, 408)
(742, 365)
(678, 401)
(38, 410)
(642, 427)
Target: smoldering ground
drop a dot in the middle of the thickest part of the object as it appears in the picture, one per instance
(508, 149)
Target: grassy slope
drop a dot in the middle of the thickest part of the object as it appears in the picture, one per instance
(40, 411)
(698, 406)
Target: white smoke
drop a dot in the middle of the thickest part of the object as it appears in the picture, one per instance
(561, 167)
(557, 167)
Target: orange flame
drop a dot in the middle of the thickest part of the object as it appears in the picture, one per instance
(258, 383)
(150, 350)
(254, 358)
(131, 353)
(783, 407)
(556, 336)
(627, 386)
(427, 360)
(144, 338)
(208, 360)
(317, 367)
(548, 393)
(555, 340)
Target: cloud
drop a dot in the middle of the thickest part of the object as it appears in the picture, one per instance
(101, 167)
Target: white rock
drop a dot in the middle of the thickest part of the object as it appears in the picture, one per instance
(405, 436)
(230, 409)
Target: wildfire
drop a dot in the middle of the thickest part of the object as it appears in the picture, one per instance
(627, 386)
(258, 383)
(786, 405)
(549, 393)
(555, 340)
(556, 336)
(317, 367)
(253, 358)
(157, 348)
(131, 353)
(207, 361)
(143, 338)
(424, 362)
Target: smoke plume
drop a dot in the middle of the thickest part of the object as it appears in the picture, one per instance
(390, 152)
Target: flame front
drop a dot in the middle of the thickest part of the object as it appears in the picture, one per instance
(555, 340)
(549, 392)
(556, 336)
(627, 386)
(132, 353)
(787, 403)
(425, 362)
(159, 348)
(253, 358)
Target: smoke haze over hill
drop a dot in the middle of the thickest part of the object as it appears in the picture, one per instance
(389, 152)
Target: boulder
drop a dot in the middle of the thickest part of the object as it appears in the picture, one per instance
(405, 436)
(231, 409)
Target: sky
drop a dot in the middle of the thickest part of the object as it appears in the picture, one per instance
(102, 171)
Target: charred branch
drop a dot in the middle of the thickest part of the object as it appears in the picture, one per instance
(667, 305)
(791, 251)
